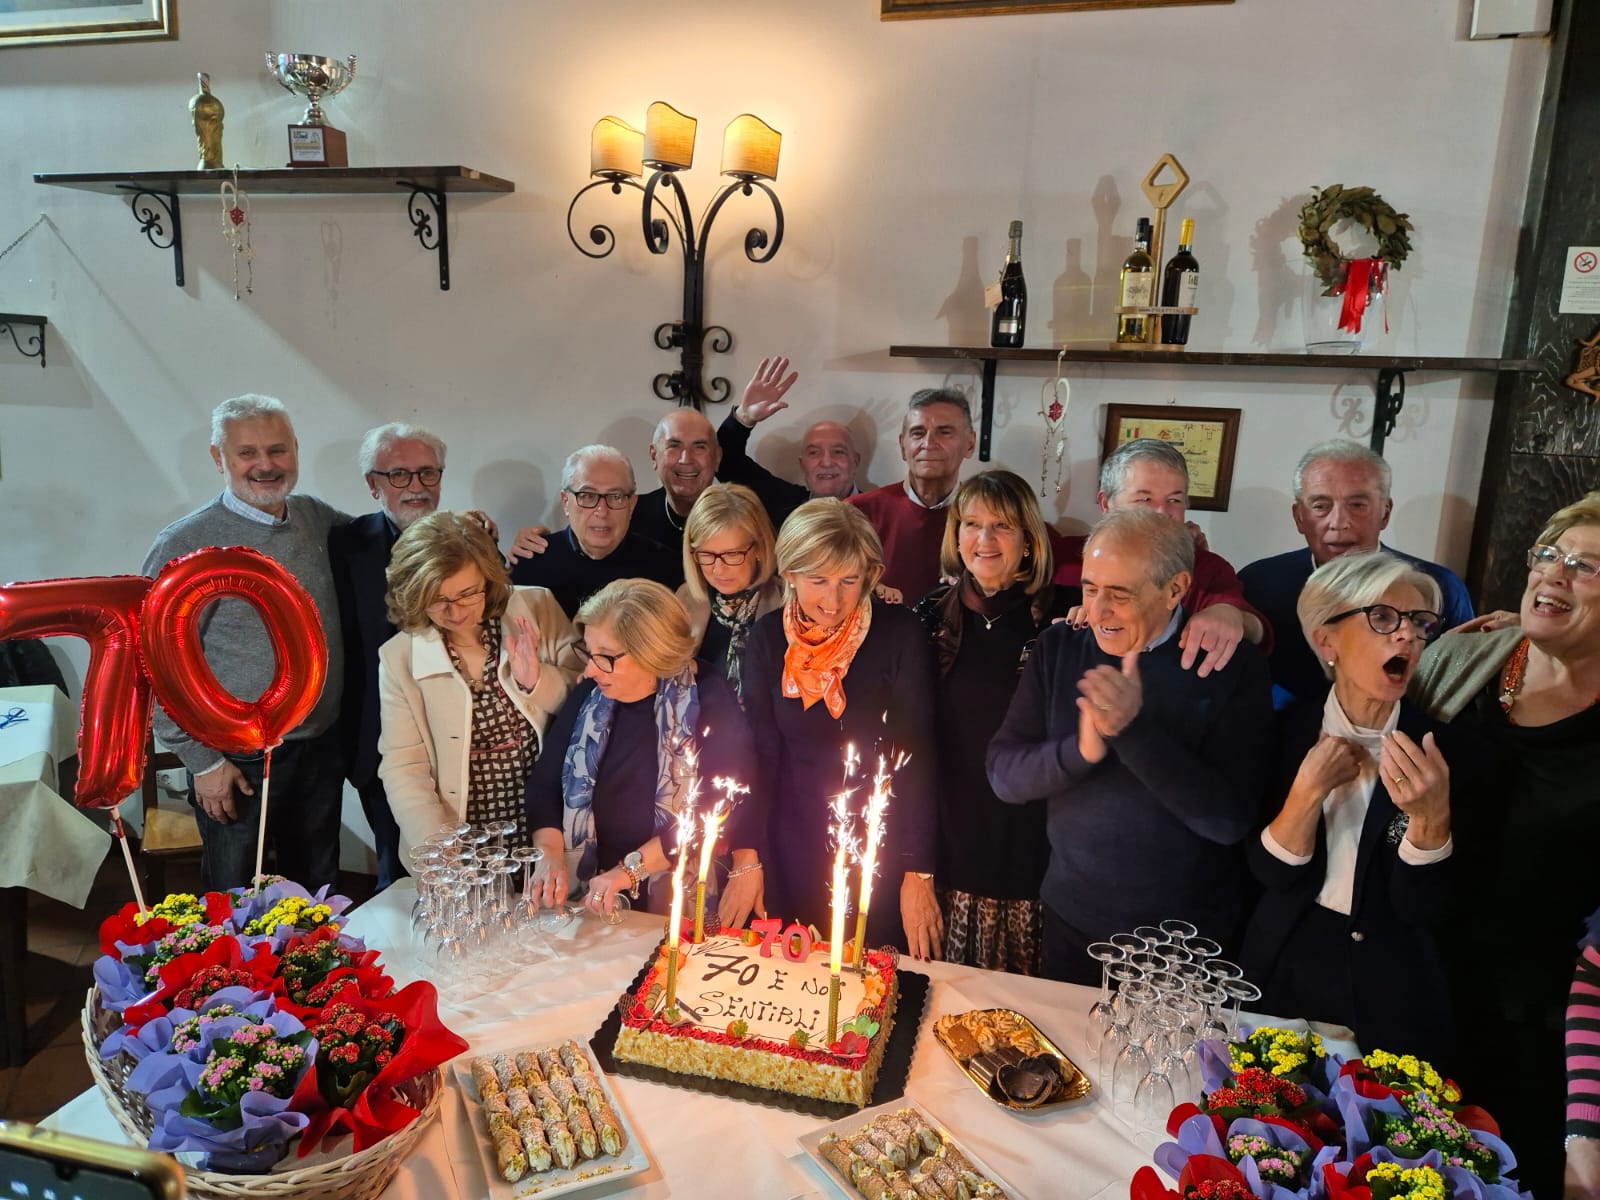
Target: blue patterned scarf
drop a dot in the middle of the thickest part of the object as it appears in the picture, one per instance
(677, 712)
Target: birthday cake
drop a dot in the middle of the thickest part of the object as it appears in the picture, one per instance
(758, 1014)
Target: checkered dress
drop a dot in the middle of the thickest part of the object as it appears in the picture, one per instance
(504, 745)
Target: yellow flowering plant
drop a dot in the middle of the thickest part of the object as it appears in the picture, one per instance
(1285, 1053)
(294, 912)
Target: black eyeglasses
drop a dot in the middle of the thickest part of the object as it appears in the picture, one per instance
(614, 500)
(606, 662)
(1548, 558)
(1385, 618)
(731, 558)
(400, 477)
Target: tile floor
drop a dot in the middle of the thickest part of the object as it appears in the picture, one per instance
(63, 943)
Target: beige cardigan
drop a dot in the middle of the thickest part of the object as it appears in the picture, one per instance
(427, 711)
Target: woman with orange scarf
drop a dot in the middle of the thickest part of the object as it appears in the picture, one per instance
(833, 668)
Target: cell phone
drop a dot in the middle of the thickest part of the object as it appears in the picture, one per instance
(39, 1164)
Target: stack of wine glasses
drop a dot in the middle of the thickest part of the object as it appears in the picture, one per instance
(478, 899)
(1174, 990)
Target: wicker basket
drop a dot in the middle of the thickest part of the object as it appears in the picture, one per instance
(359, 1176)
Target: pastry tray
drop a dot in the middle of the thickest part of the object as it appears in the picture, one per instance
(891, 1084)
(812, 1141)
(1077, 1083)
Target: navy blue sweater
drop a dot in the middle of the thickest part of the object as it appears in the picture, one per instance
(1153, 830)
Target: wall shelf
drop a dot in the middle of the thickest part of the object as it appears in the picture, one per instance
(9, 323)
(427, 206)
(1391, 369)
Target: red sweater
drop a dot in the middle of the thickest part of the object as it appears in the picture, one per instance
(911, 537)
(1214, 580)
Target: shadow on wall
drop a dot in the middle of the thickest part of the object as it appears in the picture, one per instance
(966, 319)
(1278, 284)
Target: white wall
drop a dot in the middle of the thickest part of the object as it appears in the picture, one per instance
(908, 146)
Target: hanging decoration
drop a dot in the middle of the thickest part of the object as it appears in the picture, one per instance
(1054, 396)
(1585, 375)
(236, 230)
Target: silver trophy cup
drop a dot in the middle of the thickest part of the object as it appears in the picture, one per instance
(312, 76)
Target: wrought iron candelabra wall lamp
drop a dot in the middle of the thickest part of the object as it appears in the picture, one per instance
(618, 157)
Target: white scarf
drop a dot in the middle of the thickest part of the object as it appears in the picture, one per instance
(1344, 809)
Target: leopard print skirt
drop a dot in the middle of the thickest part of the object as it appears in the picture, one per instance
(1001, 935)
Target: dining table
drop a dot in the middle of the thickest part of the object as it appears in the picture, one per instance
(542, 988)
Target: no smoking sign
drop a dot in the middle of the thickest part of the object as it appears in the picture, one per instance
(1580, 280)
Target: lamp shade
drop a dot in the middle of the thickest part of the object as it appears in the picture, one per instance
(750, 148)
(668, 138)
(615, 148)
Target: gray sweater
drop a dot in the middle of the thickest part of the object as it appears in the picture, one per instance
(235, 641)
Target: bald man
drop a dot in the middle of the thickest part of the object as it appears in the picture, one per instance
(829, 459)
(685, 456)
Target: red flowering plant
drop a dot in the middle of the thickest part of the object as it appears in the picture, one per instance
(1203, 1177)
(316, 965)
(379, 1044)
(188, 980)
(1255, 1092)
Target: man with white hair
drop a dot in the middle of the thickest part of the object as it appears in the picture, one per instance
(254, 448)
(1341, 505)
(1151, 474)
(402, 466)
(598, 496)
(1153, 775)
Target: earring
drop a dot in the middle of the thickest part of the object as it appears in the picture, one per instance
(1330, 662)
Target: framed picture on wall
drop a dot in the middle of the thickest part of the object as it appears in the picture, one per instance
(1206, 437)
(894, 10)
(43, 22)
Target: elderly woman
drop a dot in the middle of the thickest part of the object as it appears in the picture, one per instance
(604, 802)
(1527, 825)
(729, 569)
(1355, 864)
(983, 626)
(468, 685)
(834, 668)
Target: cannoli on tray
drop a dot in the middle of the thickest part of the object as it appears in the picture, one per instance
(484, 1078)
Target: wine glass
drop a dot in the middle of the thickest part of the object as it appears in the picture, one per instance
(1153, 935)
(528, 859)
(1240, 992)
(432, 887)
(1213, 1025)
(1203, 948)
(501, 830)
(1153, 1094)
(1176, 930)
(456, 899)
(1133, 1059)
(505, 911)
(1104, 953)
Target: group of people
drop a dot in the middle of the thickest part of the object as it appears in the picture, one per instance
(1388, 823)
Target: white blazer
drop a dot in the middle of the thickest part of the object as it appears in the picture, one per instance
(427, 711)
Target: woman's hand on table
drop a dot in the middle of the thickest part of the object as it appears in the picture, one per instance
(919, 913)
(1418, 781)
(522, 651)
(551, 883)
(742, 894)
(603, 889)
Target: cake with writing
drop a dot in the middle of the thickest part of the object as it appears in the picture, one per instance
(758, 1014)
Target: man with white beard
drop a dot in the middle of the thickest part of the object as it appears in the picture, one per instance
(402, 466)
(254, 447)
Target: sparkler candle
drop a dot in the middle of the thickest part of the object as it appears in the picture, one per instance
(840, 827)
(691, 793)
(877, 806)
(731, 790)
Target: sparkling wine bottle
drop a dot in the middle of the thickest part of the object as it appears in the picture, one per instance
(1137, 290)
(1009, 323)
(1180, 280)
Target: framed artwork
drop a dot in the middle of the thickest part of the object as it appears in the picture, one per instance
(1206, 437)
(896, 10)
(47, 22)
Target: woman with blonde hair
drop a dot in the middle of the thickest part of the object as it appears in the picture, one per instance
(631, 739)
(837, 668)
(729, 568)
(470, 681)
(992, 855)
(1524, 703)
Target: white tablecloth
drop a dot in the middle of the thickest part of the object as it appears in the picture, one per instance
(46, 844)
(705, 1146)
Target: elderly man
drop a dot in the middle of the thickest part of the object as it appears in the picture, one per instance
(1153, 774)
(829, 459)
(402, 466)
(1151, 474)
(598, 496)
(685, 455)
(936, 437)
(254, 447)
(1341, 504)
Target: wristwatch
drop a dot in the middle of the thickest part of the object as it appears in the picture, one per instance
(633, 864)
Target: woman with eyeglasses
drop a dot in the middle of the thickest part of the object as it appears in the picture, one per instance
(470, 681)
(1527, 822)
(1356, 865)
(635, 734)
(729, 573)
(838, 667)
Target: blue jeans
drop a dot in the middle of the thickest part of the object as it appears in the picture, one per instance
(302, 818)
(385, 832)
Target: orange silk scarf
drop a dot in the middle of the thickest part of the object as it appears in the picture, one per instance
(816, 662)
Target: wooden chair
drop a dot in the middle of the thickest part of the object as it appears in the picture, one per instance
(169, 833)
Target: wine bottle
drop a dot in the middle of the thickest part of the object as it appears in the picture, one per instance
(1009, 323)
(1138, 275)
(1180, 280)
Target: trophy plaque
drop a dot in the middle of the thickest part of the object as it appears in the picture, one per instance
(313, 142)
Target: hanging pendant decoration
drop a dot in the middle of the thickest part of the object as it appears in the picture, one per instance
(236, 229)
(1054, 396)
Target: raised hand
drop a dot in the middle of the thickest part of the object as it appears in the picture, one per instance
(522, 652)
(763, 395)
(1418, 781)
